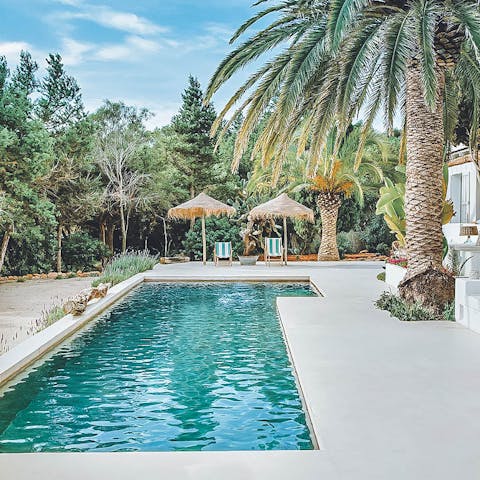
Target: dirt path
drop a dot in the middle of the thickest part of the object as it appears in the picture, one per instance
(21, 304)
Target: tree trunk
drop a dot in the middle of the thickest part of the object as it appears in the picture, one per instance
(102, 228)
(110, 233)
(123, 227)
(329, 203)
(59, 247)
(425, 281)
(165, 236)
(3, 248)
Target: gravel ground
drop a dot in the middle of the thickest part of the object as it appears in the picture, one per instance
(21, 304)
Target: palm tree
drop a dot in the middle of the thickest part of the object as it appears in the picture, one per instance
(415, 55)
(340, 174)
(335, 174)
(409, 58)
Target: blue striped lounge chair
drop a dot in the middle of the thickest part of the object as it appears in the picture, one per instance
(273, 250)
(223, 251)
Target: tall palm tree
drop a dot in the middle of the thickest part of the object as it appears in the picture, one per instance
(413, 55)
(351, 57)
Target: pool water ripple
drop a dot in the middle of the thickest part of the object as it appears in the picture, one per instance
(171, 367)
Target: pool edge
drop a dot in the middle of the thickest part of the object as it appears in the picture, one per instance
(32, 349)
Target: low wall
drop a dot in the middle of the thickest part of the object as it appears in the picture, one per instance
(467, 303)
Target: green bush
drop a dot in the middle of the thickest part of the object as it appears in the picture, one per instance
(124, 266)
(383, 249)
(82, 252)
(449, 312)
(377, 236)
(349, 242)
(220, 229)
(343, 244)
(32, 251)
(398, 308)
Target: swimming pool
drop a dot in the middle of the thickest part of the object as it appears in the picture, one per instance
(172, 367)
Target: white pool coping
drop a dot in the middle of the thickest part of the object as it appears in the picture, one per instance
(387, 399)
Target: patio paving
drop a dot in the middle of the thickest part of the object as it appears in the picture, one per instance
(387, 399)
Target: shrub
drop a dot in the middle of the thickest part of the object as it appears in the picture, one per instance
(383, 249)
(398, 308)
(31, 252)
(349, 242)
(449, 312)
(124, 266)
(82, 252)
(377, 236)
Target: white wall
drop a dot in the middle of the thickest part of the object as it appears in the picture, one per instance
(463, 190)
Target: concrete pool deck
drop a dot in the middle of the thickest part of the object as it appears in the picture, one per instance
(387, 400)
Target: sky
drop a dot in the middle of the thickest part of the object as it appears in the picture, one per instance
(140, 52)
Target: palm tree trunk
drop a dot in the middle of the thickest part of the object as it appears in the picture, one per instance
(4, 245)
(329, 203)
(425, 281)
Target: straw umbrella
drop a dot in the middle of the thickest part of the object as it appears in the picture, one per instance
(201, 206)
(282, 207)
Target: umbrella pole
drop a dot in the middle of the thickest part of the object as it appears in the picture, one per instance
(204, 241)
(285, 239)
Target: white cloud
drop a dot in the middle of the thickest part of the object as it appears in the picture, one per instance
(143, 44)
(11, 51)
(131, 49)
(215, 37)
(128, 22)
(109, 18)
(73, 52)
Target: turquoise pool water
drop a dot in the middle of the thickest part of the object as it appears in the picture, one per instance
(171, 367)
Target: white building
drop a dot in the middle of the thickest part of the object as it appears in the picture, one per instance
(464, 191)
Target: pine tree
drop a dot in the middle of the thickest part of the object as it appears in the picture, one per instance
(192, 124)
(60, 104)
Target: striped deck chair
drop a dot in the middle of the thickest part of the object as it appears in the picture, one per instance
(273, 250)
(223, 251)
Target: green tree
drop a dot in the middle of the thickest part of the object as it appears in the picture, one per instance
(25, 152)
(120, 140)
(69, 184)
(193, 124)
(60, 104)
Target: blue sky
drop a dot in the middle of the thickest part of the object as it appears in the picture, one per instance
(140, 52)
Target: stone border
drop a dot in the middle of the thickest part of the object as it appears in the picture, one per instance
(26, 353)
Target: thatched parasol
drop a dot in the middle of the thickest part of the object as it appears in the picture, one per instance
(282, 206)
(200, 207)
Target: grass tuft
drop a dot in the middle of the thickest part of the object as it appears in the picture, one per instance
(124, 266)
